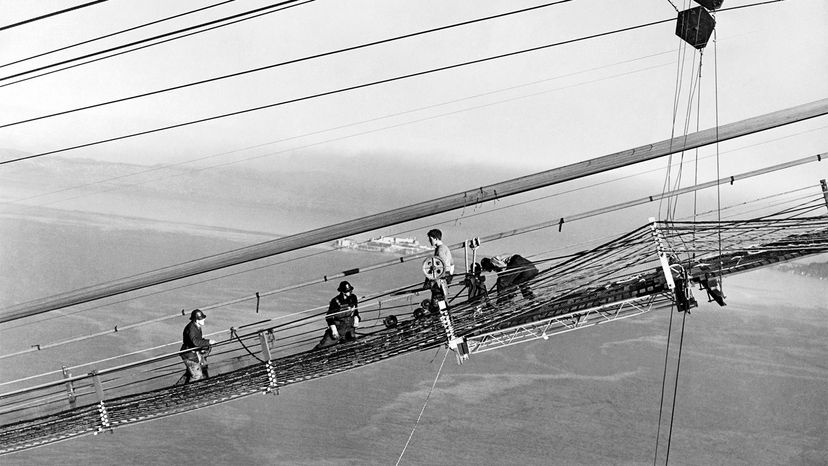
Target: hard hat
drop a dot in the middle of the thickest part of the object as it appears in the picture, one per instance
(197, 314)
(486, 264)
(344, 287)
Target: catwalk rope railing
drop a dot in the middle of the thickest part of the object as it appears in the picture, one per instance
(241, 376)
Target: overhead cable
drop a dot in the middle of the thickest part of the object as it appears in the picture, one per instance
(106, 36)
(123, 52)
(49, 15)
(289, 62)
(335, 91)
(166, 34)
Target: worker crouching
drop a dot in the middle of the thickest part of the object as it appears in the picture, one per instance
(513, 274)
(342, 317)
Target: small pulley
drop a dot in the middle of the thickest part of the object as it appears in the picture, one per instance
(433, 268)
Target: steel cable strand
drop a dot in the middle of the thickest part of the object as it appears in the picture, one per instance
(768, 230)
(280, 5)
(777, 238)
(579, 267)
(115, 33)
(589, 254)
(82, 420)
(575, 278)
(192, 393)
(5, 401)
(763, 198)
(27, 426)
(643, 255)
(715, 231)
(625, 257)
(642, 251)
(49, 15)
(672, 201)
(814, 202)
(302, 2)
(772, 205)
(21, 407)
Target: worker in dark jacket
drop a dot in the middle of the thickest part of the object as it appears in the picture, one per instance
(342, 317)
(196, 360)
(513, 271)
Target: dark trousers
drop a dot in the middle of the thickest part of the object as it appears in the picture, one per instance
(518, 271)
(345, 328)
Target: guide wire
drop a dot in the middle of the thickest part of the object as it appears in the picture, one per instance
(115, 33)
(437, 377)
(49, 15)
(675, 387)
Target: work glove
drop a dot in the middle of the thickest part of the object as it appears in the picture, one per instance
(334, 332)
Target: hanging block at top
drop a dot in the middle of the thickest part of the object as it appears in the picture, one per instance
(710, 4)
(695, 26)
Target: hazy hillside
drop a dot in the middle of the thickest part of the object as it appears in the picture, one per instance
(322, 188)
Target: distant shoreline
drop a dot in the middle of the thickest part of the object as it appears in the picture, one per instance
(124, 222)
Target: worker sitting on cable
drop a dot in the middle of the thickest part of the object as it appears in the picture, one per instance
(196, 360)
(342, 317)
(513, 271)
(714, 292)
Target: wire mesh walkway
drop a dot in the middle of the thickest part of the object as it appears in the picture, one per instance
(624, 268)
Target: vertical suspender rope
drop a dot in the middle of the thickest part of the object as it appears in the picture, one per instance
(696, 167)
(669, 216)
(718, 187)
(668, 277)
(676, 94)
(675, 387)
(663, 384)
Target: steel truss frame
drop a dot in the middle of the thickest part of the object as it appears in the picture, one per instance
(564, 323)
